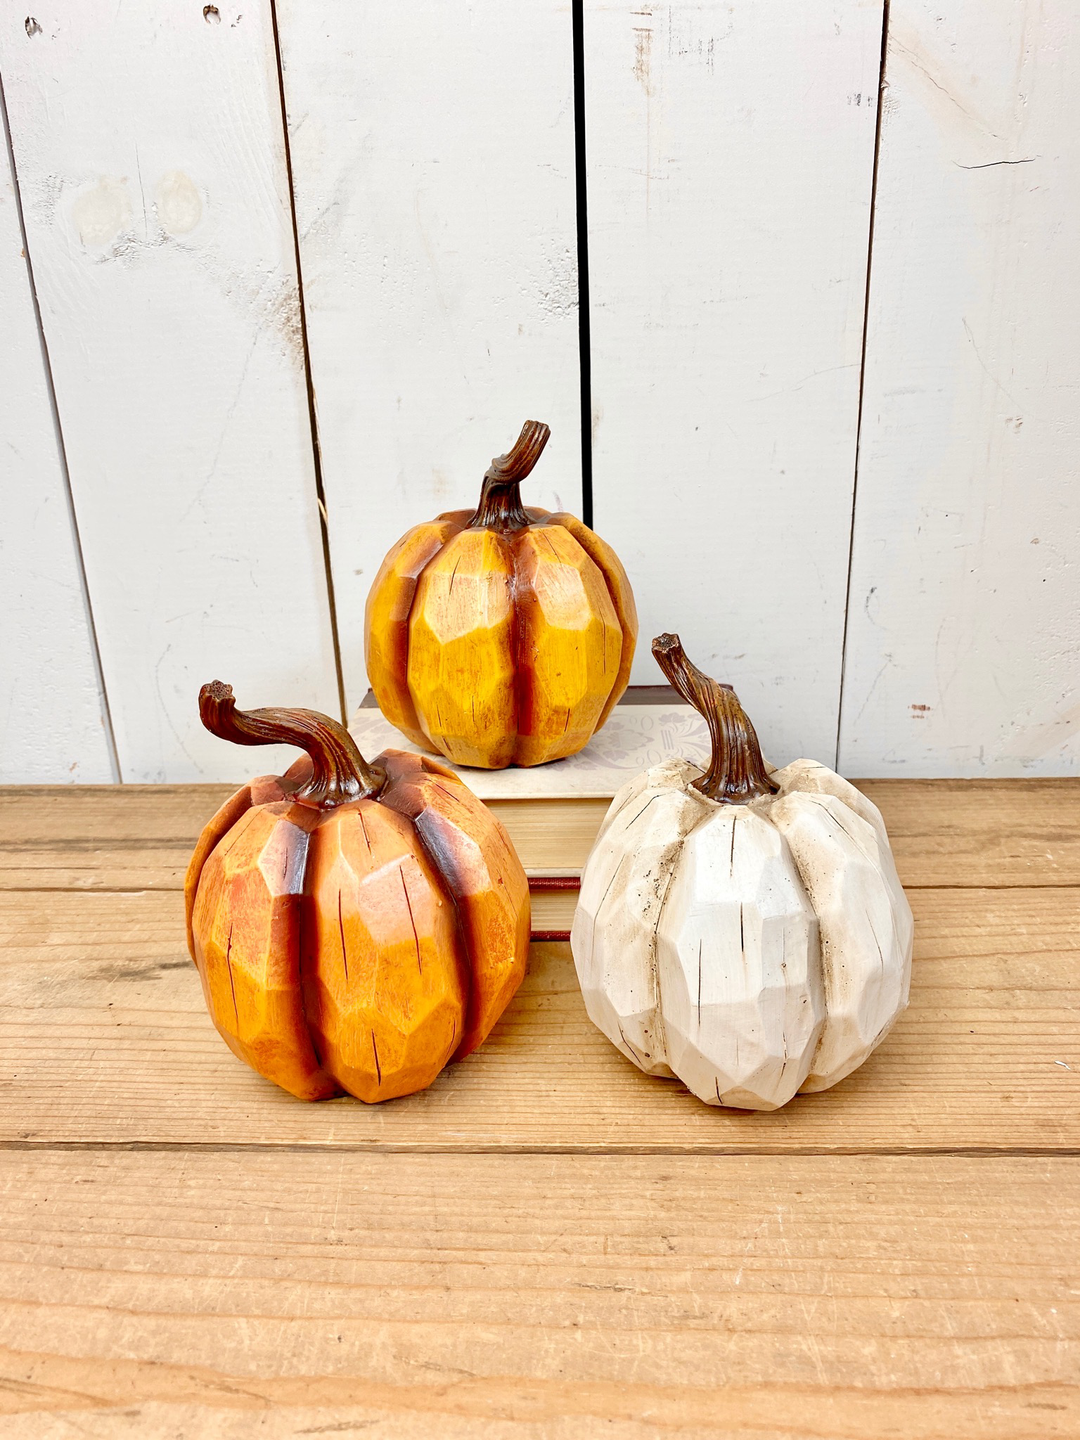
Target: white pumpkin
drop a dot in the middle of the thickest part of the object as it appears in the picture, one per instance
(743, 929)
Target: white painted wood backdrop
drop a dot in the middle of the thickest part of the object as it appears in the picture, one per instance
(963, 648)
(150, 159)
(731, 154)
(162, 477)
(53, 723)
(433, 172)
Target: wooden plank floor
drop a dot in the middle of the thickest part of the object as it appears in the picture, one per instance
(546, 1243)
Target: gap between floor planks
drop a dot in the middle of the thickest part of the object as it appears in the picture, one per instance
(945, 833)
(505, 1288)
(195, 1147)
(982, 1061)
(108, 1042)
(851, 1289)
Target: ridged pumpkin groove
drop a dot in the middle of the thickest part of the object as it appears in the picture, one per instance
(501, 636)
(355, 926)
(743, 929)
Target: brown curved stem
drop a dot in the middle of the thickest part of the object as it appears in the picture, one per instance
(736, 772)
(339, 772)
(500, 505)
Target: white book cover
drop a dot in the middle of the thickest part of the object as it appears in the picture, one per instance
(635, 737)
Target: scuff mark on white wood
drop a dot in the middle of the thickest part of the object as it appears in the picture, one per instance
(102, 212)
(907, 43)
(178, 203)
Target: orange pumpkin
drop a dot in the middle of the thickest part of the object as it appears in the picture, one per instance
(355, 926)
(502, 636)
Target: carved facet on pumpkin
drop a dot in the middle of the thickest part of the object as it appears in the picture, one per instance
(501, 636)
(355, 926)
(745, 929)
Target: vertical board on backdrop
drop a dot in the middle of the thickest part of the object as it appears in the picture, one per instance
(434, 176)
(53, 723)
(963, 639)
(730, 162)
(150, 155)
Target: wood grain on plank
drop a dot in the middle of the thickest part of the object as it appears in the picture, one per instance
(289, 1266)
(433, 170)
(53, 724)
(982, 832)
(962, 643)
(944, 832)
(141, 837)
(151, 164)
(464, 1409)
(108, 1041)
(800, 1296)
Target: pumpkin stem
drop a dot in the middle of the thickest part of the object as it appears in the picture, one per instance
(339, 772)
(736, 772)
(500, 505)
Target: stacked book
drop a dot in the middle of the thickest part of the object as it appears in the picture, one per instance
(552, 812)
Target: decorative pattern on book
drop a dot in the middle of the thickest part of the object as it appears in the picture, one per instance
(634, 738)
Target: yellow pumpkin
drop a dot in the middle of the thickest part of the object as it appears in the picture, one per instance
(501, 636)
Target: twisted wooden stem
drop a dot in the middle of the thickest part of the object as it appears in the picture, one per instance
(500, 505)
(339, 772)
(736, 772)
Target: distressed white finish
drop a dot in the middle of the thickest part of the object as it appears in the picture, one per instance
(433, 164)
(52, 718)
(149, 148)
(730, 152)
(837, 840)
(963, 635)
(750, 950)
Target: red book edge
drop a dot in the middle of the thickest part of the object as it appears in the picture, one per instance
(553, 882)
